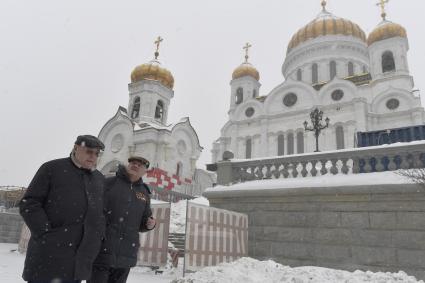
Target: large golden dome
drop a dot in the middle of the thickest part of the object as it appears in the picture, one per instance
(326, 24)
(153, 71)
(385, 30)
(245, 69)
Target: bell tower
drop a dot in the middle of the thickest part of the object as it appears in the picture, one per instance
(150, 91)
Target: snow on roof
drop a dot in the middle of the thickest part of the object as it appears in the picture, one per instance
(397, 144)
(249, 270)
(146, 125)
(379, 178)
(122, 110)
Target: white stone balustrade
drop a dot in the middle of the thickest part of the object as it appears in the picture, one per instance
(349, 161)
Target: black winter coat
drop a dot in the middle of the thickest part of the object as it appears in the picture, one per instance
(127, 209)
(63, 208)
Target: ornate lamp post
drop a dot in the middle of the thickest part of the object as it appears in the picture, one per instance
(317, 127)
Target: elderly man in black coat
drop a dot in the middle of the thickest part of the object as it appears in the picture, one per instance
(63, 208)
(127, 212)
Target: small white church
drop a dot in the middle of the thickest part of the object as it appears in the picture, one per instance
(362, 83)
(142, 129)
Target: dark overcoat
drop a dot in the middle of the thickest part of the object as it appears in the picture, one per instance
(127, 209)
(63, 208)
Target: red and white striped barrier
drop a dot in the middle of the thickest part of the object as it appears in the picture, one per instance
(154, 244)
(213, 236)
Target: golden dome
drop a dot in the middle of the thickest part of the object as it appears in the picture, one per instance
(386, 30)
(245, 69)
(326, 24)
(153, 71)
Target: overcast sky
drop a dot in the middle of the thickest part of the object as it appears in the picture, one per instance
(65, 65)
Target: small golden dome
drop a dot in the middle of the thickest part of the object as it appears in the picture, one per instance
(385, 30)
(153, 71)
(326, 24)
(245, 69)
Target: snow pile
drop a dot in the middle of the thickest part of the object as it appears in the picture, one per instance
(248, 270)
(201, 200)
(155, 201)
(178, 214)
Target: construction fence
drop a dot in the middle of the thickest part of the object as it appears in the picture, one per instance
(212, 236)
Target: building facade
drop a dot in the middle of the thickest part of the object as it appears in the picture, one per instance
(143, 129)
(362, 83)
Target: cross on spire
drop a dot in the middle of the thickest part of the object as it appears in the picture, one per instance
(382, 5)
(246, 47)
(157, 43)
(324, 5)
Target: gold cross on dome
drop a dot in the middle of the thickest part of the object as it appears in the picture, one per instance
(382, 5)
(324, 4)
(246, 47)
(157, 42)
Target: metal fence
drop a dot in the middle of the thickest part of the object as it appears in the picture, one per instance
(154, 244)
(213, 236)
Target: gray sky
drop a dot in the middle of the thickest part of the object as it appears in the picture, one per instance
(65, 65)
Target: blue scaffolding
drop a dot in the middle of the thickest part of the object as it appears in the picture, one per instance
(388, 136)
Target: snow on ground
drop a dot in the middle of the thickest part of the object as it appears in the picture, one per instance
(178, 214)
(12, 264)
(248, 270)
(244, 270)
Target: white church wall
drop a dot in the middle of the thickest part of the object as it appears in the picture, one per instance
(241, 112)
(118, 139)
(305, 98)
(322, 50)
(398, 46)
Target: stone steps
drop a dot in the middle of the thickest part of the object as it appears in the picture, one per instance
(178, 240)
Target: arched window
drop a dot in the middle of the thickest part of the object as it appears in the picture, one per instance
(239, 95)
(290, 143)
(314, 74)
(248, 148)
(159, 110)
(332, 69)
(364, 70)
(388, 63)
(254, 93)
(299, 75)
(350, 69)
(179, 169)
(300, 142)
(280, 145)
(136, 108)
(339, 132)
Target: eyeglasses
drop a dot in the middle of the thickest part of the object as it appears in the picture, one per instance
(90, 151)
(140, 164)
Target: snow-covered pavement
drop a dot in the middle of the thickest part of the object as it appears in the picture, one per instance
(12, 263)
(248, 270)
(245, 270)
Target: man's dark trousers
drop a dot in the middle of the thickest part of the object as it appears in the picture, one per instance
(102, 274)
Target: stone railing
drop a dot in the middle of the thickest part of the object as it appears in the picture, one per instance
(348, 161)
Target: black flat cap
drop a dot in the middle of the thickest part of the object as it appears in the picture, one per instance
(140, 159)
(90, 141)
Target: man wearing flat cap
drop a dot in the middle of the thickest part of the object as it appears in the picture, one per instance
(127, 212)
(63, 209)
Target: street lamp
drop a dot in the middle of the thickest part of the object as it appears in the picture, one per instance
(317, 127)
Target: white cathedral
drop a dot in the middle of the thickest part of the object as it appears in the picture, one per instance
(362, 83)
(142, 129)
